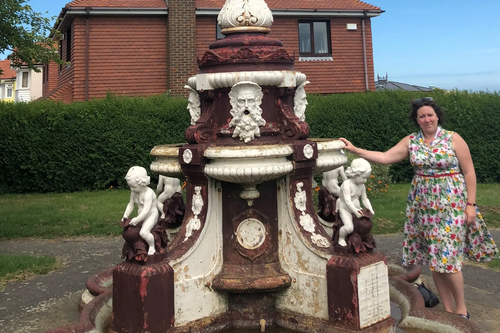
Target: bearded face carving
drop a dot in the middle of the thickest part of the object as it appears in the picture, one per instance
(245, 99)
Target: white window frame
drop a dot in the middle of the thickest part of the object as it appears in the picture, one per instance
(27, 79)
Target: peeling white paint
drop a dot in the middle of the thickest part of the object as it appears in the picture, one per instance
(194, 298)
(305, 264)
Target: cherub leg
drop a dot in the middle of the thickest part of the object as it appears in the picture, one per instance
(146, 234)
(161, 200)
(347, 228)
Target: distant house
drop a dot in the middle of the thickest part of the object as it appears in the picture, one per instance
(28, 83)
(7, 82)
(144, 47)
(383, 83)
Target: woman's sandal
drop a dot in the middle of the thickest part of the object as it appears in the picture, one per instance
(465, 316)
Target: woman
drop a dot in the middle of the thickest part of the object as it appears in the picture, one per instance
(442, 221)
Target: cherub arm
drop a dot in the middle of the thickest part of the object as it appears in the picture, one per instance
(148, 200)
(342, 173)
(366, 202)
(346, 196)
(130, 207)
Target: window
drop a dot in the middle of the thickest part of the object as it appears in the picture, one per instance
(314, 38)
(9, 92)
(218, 34)
(24, 82)
(68, 45)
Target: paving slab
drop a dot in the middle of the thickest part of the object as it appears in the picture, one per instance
(49, 301)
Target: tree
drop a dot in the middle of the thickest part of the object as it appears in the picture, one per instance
(24, 32)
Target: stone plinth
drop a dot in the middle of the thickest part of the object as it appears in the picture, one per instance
(358, 291)
(143, 298)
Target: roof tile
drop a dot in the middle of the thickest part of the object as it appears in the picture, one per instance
(118, 3)
(300, 4)
(7, 73)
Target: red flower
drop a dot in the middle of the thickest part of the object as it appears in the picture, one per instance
(449, 267)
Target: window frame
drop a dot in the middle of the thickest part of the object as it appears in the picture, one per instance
(25, 75)
(68, 45)
(311, 33)
(218, 33)
(8, 92)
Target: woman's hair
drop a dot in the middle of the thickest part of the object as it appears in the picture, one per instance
(426, 101)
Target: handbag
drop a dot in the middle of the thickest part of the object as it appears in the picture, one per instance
(430, 299)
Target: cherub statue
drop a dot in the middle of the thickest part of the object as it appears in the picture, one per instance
(329, 193)
(351, 191)
(167, 187)
(145, 199)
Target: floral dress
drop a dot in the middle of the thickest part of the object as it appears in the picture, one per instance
(435, 231)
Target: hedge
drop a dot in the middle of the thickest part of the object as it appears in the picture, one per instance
(53, 147)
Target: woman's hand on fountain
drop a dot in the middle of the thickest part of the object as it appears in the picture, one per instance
(359, 214)
(348, 145)
(134, 221)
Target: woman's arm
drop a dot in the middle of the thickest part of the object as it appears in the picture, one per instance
(396, 154)
(465, 160)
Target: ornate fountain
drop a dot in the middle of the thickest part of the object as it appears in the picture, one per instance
(251, 246)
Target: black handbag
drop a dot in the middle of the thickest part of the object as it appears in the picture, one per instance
(430, 299)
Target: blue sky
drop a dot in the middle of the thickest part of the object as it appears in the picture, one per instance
(446, 43)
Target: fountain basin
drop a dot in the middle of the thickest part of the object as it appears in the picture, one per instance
(167, 160)
(330, 155)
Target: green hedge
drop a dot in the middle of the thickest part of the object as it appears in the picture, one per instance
(377, 121)
(54, 147)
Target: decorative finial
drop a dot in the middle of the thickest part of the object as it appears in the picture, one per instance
(245, 16)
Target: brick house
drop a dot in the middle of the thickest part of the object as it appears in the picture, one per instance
(144, 47)
(8, 79)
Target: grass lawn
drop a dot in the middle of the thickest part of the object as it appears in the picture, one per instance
(56, 215)
(15, 267)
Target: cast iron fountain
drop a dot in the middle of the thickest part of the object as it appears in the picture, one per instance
(251, 251)
(254, 248)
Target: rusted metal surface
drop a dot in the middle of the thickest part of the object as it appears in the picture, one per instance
(143, 298)
(342, 278)
(301, 323)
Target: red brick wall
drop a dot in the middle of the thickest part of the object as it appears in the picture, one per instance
(51, 73)
(66, 72)
(127, 56)
(344, 74)
(182, 44)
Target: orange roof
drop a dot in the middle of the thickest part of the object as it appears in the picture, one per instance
(118, 3)
(7, 73)
(300, 4)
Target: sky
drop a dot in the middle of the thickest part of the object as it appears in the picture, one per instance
(445, 43)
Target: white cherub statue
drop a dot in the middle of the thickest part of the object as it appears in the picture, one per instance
(331, 180)
(351, 190)
(145, 199)
(167, 187)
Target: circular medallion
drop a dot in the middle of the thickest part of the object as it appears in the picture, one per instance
(308, 151)
(251, 233)
(187, 156)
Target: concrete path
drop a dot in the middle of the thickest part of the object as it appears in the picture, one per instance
(49, 301)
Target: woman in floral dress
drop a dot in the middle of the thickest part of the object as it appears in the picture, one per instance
(443, 225)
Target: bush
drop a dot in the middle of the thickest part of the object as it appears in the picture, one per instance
(53, 147)
(379, 120)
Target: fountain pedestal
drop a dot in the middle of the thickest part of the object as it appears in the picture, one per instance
(358, 292)
(145, 301)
